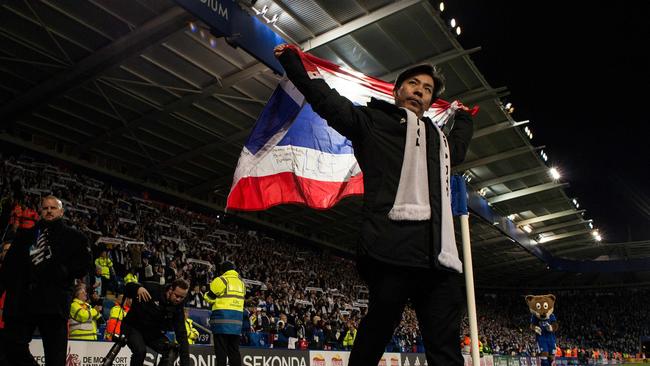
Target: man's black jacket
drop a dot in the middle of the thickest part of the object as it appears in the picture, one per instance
(47, 288)
(379, 139)
(157, 315)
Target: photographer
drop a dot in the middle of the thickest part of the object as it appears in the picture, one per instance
(154, 310)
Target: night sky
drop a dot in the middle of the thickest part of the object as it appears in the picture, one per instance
(581, 76)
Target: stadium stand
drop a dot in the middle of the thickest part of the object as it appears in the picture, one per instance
(314, 293)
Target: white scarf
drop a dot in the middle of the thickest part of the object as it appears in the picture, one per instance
(412, 198)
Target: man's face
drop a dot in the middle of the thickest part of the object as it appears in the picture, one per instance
(50, 210)
(176, 295)
(415, 94)
(82, 295)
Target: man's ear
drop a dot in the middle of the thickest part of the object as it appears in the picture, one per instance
(395, 93)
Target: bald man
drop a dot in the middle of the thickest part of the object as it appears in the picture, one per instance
(39, 275)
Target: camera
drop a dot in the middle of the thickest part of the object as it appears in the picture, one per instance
(120, 341)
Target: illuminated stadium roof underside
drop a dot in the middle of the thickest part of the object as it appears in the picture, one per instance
(130, 89)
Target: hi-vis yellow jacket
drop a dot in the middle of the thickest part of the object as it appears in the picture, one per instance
(226, 295)
(192, 333)
(83, 319)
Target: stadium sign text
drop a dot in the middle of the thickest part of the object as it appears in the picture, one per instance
(216, 7)
(273, 361)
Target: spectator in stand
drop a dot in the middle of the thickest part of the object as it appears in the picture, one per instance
(317, 340)
(146, 270)
(83, 317)
(195, 299)
(107, 271)
(164, 274)
(98, 283)
(246, 326)
(331, 341)
(42, 263)
(23, 215)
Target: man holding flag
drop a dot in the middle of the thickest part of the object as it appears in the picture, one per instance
(407, 250)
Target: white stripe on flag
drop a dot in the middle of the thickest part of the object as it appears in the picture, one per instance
(306, 163)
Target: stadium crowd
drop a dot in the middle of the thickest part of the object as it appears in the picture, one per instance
(605, 321)
(295, 292)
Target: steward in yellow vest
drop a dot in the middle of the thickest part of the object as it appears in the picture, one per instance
(83, 317)
(350, 336)
(105, 263)
(130, 277)
(192, 333)
(226, 296)
(114, 323)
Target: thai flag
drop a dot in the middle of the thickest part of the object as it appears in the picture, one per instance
(293, 156)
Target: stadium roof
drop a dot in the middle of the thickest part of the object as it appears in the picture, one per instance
(128, 88)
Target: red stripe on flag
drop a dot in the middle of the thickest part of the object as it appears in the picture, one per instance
(260, 193)
(312, 63)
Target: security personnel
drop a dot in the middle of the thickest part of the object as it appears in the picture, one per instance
(105, 263)
(40, 268)
(130, 277)
(114, 323)
(226, 294)
(192, 333)
(350, 336)
(83, 317)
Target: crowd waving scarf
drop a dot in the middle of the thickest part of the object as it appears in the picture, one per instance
(293, 157)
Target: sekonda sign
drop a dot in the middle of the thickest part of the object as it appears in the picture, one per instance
(249, 360)
(269, 357)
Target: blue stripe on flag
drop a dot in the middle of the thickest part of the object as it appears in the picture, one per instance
(312, 132)
(280, 110)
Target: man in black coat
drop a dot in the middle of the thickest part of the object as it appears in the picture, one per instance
(154, 310)
(407, 250)
(39, 274)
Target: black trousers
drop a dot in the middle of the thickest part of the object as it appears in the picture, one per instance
(138, 342)
(227, 345)
(437, 298)
(19, 332)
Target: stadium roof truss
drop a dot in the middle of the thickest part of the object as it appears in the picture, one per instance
(127, 88)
